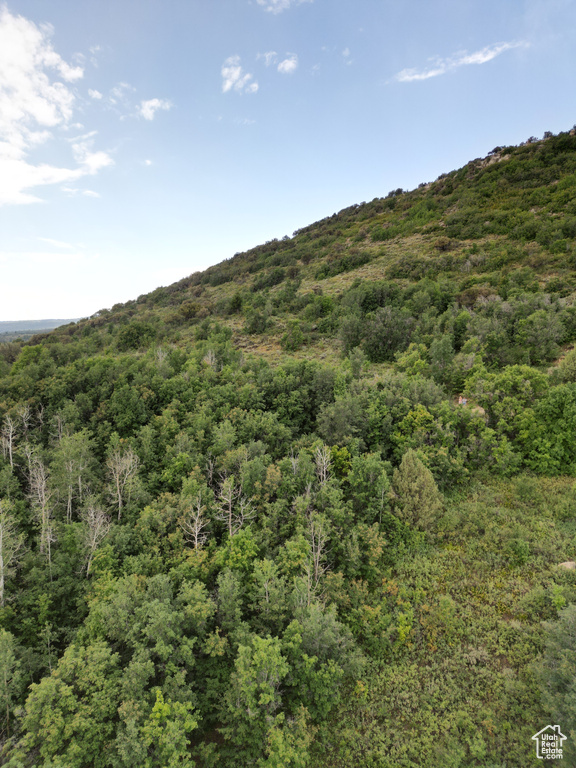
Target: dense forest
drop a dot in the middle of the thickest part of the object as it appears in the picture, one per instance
(313, 507)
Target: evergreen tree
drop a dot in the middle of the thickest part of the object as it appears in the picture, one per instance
(417, 498)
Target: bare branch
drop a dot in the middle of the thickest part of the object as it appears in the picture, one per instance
(122, 466)
(193, 523)
(97, 526)
(234, 509)
(323, 463)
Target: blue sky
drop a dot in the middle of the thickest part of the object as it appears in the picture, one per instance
(142, 140)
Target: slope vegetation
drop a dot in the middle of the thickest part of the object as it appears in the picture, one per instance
(313, 506)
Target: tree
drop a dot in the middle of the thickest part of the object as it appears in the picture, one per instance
(288, 746)
(10, 677)
(8, 436)
(417, 500)
(557, 673)
(387, 332)
(164, 734)
(122, 466)
(441, 358)
(342, 420)
(41, 495)
(11, 545)
(72, 714)
(254, 698)
(539, 335)
(193, 522)
(233, 508)
(318, 535)
(71, 467)
(566, 370)
(96, 528)
(323, 460)
(269, 595)
(369, 486)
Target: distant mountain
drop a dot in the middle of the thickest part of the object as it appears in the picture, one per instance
(12, 326)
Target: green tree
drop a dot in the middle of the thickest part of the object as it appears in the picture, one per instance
(387, 332)
(557, 674)
(254, 700)
(11, 546)
(72, 713)
(10, 678)
(417, 500)
(164, 734)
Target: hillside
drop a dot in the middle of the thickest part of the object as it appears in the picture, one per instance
(313, 506)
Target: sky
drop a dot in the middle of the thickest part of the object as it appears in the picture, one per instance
(141, 140)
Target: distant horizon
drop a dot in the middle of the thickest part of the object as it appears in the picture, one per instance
(51, 320)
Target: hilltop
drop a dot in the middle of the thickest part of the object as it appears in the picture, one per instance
(499, 226)
(312, 506)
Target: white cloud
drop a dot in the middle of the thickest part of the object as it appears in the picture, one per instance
(94, 94)
(118, 94)
(36, 102)
(289, 65)
(461, 59)
(234, 77)
(277, 6)
(94, 50)
(346, 53)
(149, 108)
(90, 162)
(269, 57)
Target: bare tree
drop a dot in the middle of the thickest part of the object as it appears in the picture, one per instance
(123, 467)
(323, 463)
(72, 461)
(40, 415)
(193, 523)
(160, 354)
(318, 536)
(210, 467)
(59, 426)
(41, 495)
(24, 413)
(11, 544)
(9, 432)
(96, 527)
(294, 462)
(234, 509)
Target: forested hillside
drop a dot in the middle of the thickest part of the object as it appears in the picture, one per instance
(314, 506)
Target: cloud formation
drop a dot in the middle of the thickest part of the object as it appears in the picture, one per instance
(289, 65)
(35, 101)
(149, 108)
(269, 57)
(461, 59)
(235, 79)
(277, 6)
